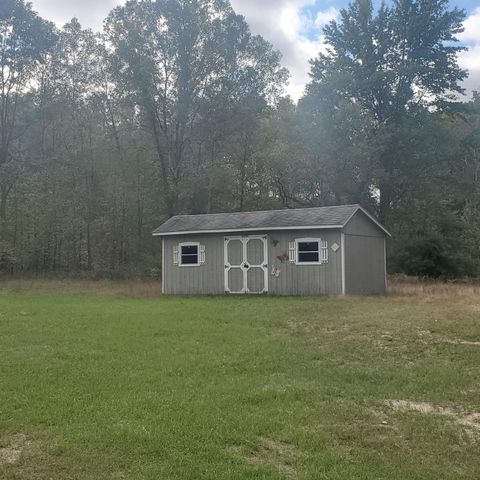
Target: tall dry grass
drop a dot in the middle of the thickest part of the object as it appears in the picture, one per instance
(122, 288)
(402, 285)
(398, 285)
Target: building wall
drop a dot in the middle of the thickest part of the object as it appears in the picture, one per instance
(291, 279)
(325, 279)
(205, 279)
(364, 263)
(364, 257)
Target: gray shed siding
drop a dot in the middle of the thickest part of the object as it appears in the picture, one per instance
(292, 280)
(206, 279)
(364, 257)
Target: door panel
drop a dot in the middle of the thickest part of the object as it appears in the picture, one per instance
(235, 280)
(255, 280)
(246, 269)
(235, 252)
(255, 251)
(256, 261)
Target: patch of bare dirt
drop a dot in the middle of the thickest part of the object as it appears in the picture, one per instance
(270, 453)
(471, 421)
(443, 339)
(406, 405)
(277, 388)
(456, 341)
(12, 449)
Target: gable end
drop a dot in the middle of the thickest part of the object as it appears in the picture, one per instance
(361, 223)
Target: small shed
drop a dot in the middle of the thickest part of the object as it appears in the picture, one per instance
(334, 250)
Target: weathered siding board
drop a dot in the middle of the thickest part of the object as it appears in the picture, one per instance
(360, 224)
(205, 279)
(364, 265)
(364, 257)
(292, 279)
(304, 279)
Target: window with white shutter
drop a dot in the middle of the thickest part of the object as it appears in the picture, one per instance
(189, 254)
(292, 251)
(324, 252)
(310, 251)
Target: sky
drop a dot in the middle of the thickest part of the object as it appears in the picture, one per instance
(293, 26)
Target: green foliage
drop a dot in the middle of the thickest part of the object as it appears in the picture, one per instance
(388, 67)
(181, 62)
(432, 255)
(7, 257)
(177, 108)
(393, 60)
(380, 130)
(25, 39)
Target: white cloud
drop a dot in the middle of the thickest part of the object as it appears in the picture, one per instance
(470, 59)
(326, 16)
(472, 28)
(282, 23)
(90, 13)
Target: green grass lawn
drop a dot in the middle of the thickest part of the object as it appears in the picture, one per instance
(95, 386)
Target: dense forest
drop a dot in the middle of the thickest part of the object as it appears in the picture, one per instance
(176, 107)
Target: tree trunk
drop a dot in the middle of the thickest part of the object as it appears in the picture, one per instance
(385, 202)
(89, 247)
(4, 192)
(167, 190)
(3, 204)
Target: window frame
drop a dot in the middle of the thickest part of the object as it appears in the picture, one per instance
(318, 241)
(180, 255)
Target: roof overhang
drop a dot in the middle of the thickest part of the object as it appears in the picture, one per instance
(256, 229)
(270, 229)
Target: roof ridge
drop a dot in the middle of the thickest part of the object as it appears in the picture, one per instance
(265, 211)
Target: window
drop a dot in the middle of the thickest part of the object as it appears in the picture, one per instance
(189, 254)
(308, 251)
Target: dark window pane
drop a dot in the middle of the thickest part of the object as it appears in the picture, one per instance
(308, 257)
(308, 246)
(189, 259)
(189, 250)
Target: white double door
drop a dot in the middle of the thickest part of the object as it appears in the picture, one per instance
(246, 264)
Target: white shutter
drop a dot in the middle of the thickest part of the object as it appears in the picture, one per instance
(201, 254)
(323, 252)
(175, 255)
(292, 251)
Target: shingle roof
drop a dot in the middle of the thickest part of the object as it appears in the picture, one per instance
(336, 216)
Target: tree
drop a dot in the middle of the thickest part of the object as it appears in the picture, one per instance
(175, 58)
(177, 107)
(391, 66)
(24, 40)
